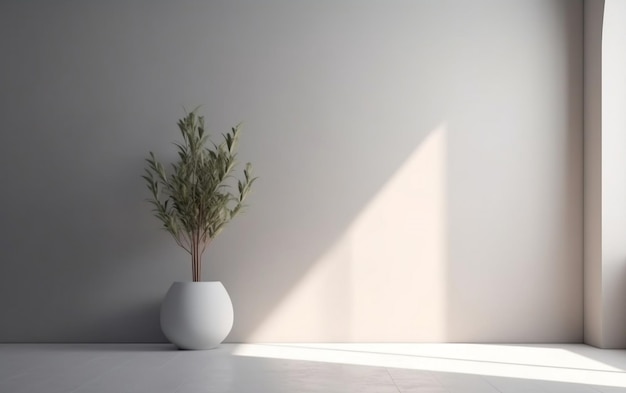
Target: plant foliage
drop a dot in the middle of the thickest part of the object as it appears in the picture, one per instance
(196, 198)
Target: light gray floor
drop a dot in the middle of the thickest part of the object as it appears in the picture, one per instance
(393, 368)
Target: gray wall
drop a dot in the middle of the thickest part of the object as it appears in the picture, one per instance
(420, 164)
(593, 310)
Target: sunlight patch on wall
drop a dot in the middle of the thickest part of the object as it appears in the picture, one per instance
(384, 278)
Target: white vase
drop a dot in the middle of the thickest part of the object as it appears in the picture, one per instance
(196, 315)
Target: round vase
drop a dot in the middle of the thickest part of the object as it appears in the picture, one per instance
(196, 315)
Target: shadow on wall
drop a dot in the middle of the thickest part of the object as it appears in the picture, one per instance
(348, 115)
(412, 168)
(75, 252)
(475, 235)
(614, 297)
(514, 182)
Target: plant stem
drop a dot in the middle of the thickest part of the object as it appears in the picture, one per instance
(193, 265)
(198, 254)
(195, 255)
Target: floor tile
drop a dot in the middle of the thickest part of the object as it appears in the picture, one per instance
(328, 368)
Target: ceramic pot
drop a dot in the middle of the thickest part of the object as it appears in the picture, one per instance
(196, 315)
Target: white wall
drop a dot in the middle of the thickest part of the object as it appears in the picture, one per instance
(613, 179)
(605, 185)
(420, 166)
(477, 235)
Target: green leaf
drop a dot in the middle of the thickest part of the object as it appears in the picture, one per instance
(195, 195)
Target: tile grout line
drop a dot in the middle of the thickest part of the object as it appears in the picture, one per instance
(492, 385)
(434, 376)
(393, 380)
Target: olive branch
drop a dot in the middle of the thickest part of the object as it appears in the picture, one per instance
(195, 200)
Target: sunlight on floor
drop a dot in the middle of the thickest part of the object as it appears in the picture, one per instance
(557, 363)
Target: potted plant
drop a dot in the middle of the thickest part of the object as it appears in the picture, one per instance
(194, 200)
